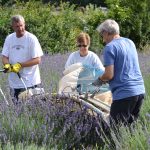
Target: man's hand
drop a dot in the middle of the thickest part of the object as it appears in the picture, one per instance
(16, 67)
(7, 68)
(98, 82)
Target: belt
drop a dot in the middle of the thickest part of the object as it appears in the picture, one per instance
(31, 87)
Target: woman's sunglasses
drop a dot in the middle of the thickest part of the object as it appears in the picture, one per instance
(82, 45)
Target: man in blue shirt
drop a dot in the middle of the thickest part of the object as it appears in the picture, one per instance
(123, 73)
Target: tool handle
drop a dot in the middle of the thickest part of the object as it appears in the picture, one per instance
(19, 75)
(2, 70)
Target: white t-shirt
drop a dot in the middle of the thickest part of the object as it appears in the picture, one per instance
(21, 50)
(91, 59)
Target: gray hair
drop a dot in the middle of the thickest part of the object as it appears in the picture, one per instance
(110, 26)
(17, 18)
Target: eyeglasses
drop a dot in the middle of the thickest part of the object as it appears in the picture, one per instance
(102, 33)
(82, 45)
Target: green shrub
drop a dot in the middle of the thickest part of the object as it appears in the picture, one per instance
(133, 17)
(58, 27)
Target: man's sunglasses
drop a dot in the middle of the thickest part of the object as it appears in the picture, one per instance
(82, 45)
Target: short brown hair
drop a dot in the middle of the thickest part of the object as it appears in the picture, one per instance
(82, 36)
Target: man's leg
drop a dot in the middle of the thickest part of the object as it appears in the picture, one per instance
(14, 94)
(136, 109)
(124, 110)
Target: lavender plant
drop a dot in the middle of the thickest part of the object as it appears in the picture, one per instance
(52, 67)
(60, 123)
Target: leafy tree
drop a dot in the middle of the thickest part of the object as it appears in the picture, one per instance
(133, 17)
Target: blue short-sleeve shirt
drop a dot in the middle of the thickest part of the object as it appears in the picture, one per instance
(127, 80)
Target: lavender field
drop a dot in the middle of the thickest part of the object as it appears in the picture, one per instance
(60, 123)
(53, 65)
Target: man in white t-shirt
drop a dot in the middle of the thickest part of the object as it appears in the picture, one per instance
(21, 54)
(83, 55)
